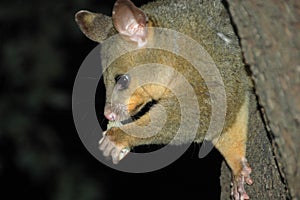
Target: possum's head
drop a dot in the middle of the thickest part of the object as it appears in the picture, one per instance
(133, 87)
(127, 94)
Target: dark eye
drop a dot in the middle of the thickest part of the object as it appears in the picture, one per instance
(122, 81)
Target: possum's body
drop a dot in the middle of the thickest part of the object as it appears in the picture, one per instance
(207, 23)
(207, 20)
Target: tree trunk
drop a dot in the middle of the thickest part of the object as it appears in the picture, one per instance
(269, 35)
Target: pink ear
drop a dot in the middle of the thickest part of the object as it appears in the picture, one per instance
(130, 21)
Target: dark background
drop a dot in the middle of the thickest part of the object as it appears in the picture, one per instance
(41, 155)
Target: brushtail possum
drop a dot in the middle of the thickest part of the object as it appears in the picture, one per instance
(130, 104)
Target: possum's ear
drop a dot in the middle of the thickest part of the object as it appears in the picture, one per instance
(95, 26)
(130, 21)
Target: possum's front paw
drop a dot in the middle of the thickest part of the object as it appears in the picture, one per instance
(238, 191)
(110, 146)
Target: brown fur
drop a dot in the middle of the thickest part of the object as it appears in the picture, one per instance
(202, 21)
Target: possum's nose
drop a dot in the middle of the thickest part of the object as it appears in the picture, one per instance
(111, 116)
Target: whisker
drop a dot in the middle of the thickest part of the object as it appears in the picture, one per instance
(102, 121)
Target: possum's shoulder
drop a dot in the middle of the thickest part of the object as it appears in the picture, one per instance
(205, 21)
(198, 15)
(208, 23)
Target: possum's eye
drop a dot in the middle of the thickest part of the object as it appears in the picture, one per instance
(122, 81)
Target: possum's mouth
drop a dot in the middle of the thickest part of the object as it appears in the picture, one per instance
(140, 111)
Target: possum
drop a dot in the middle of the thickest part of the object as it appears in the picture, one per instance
(132, 103)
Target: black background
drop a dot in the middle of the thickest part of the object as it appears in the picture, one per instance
(41, 155)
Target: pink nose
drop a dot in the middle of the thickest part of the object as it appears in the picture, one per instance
(111, 116)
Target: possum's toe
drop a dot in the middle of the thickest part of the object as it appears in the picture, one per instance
(238, 191)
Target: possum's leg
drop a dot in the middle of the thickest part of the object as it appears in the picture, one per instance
(232, 145)
(114, 143)
(117, 141)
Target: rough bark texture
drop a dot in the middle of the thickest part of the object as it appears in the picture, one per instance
(269, 33)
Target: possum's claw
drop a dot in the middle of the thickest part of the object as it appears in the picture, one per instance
(238, 191)
(109, 148)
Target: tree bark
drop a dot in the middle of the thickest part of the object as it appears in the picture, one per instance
(269, 36)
